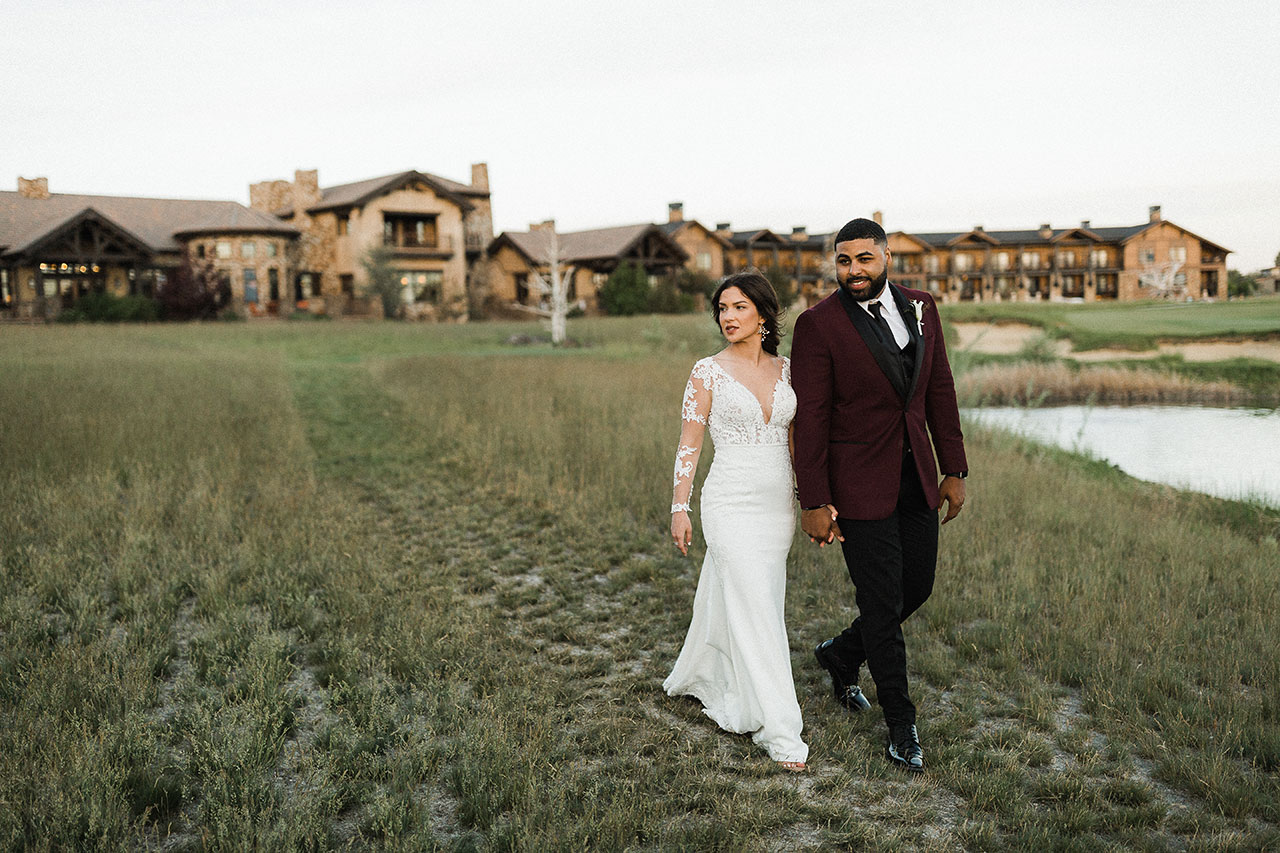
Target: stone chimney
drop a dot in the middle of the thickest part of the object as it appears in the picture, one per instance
(978, 228)
(545, 225)
(723, 229)
(1084, 223)
(877, 217)
(480, 176)
(1153, 213)
(675, 211)
(33, 187)
(799, 233)
(1046, 231)
(306, 188)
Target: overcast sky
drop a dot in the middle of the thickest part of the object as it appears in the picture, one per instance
(944, 115)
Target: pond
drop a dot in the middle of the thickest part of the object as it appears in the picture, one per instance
(1230, 453)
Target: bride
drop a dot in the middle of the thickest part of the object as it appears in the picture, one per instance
(735, 659)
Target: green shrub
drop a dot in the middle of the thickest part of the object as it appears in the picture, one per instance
(626, 292)
(105, 308)
(667, 298)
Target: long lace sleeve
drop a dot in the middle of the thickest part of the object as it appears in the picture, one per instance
(694, 412)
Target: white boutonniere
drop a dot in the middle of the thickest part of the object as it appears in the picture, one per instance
(918, 307)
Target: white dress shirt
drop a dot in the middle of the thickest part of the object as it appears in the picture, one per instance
(889, 311)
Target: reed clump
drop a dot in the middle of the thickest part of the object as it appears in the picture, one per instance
(1033, 383)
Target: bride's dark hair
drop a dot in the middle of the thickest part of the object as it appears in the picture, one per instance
(757, 288)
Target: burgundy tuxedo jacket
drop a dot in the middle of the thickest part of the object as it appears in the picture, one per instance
(856, 406)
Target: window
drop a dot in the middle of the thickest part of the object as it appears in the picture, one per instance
(200, 251)
(1031, 260)
(1180, 280)
(598, 279)
(223, 249)
(1002, 260)
(962, 263)
(250, 284)
(1067, 258)
(343, 223)
(409, 231)
(271, 248)
(522, 287)
(5, 295)
(248, 249)
(425, 287)
(307, 286)
(348, 284)
(273, 284)
(1099, 258)
(931, 263)
(1146, 256)
(704, 260)
(1178, 254)
(418, 286)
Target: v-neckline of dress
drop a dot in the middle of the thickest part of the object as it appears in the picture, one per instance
(773, 395)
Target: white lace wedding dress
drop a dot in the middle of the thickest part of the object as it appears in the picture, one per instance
(735, 659)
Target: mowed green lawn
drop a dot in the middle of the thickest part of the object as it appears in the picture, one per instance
(327, 585)
(1137, 325)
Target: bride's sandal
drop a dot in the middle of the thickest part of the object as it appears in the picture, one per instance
(793, 766)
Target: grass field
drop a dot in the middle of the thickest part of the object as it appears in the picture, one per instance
(1132, 325)
(313, 586)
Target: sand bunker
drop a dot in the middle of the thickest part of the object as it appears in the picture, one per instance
(1010, 338)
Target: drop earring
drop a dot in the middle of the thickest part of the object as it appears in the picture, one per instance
(763, 331)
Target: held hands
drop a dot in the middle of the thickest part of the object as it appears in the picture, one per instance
(681, 531)
(820, 526)
(951, 493)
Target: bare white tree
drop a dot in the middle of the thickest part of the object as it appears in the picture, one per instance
(557, 289)
(1161, 279)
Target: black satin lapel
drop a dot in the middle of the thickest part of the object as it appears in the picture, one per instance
(890, 363)
(913, 329)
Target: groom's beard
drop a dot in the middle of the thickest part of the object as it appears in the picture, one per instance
(877, 286)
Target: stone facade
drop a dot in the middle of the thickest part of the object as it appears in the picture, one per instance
(1080, 263)
(432, 229)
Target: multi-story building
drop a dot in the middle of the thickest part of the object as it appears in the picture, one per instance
(57, 247)
(435, 230)
(706, 249)
(297, 247)
(803, 257)
(1154, 259)
(589, 257)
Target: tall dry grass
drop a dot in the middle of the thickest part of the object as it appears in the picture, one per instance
(1032, 383)
(346, 587)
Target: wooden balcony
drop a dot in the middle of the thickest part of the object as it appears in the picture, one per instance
(442, 247)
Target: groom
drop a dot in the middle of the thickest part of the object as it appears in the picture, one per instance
(870, 373)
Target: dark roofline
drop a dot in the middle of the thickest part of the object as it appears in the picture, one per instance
(386, 186)
(75, 219)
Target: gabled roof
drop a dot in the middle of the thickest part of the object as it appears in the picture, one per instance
(1033, 237)
(580, 246)
(87, 214)
(758, 235)
(153, 221)
(361, 192)
(673, 228)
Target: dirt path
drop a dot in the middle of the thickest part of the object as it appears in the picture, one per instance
(1010, 338)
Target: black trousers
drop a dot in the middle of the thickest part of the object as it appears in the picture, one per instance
(892, 563)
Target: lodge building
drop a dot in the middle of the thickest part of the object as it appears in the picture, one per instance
(296, 247)
(300, 247)
(1154, 259)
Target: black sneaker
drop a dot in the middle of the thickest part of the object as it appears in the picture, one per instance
(904, 748)
(846, 693)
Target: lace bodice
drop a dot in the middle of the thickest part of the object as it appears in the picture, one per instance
(736, 415)
(731, 413)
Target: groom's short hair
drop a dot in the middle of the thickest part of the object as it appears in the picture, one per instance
(862, 229)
